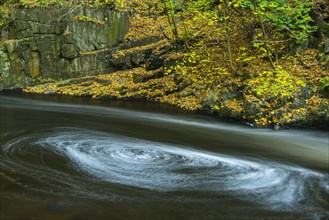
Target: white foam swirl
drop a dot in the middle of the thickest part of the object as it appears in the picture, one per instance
(161, 167)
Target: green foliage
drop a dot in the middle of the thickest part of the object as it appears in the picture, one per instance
(114, 4)
(105, 3)
(281, 22)
(278, 83)
(189, 14)
(41, 3)
(290, 19)
(199, 5)
(324, 83)
(118, 4)
(3, 17)
(169, 8)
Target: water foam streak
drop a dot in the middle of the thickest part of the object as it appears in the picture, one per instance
(161, 167)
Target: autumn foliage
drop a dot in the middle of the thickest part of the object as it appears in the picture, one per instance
(255, 61)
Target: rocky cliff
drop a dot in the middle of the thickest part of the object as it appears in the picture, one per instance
(39, 45)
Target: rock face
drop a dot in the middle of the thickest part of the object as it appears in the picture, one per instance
(58, 43)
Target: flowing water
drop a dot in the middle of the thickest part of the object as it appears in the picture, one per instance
(83, 159)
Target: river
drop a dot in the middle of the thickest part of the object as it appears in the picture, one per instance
(77, 158)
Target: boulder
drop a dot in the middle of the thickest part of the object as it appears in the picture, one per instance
(252, 105)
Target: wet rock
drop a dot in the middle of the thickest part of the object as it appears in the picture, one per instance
(252, 105)
(138, 58)
(210, 100)
(169, 62)
(142, 77)
(154, 62)
(229, 95)
(4, 61)
(276, 127)
(298, 103)
(181, 82)
(224, 112)
(319, 116)
(326, 46)
(34, 65)
(186, 93)
(128, 59)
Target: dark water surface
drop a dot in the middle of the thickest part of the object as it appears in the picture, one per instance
(82, 159)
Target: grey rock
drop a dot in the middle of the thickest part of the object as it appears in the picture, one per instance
(276, 127)
(251, 107)
(69, 51)
(326, 45)
(186, 93)
(210, 100)
(137, 58)
(50, 44)
(141, 42)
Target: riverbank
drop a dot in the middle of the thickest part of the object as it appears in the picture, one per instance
(302, 108)
(286, 97)
(195, 75)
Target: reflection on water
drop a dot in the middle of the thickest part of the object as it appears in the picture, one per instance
(65, 161)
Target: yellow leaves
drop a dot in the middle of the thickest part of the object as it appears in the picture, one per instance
(155, 47)
(189, 103)
(36, 90)
(48, 88)
(118, 85)
(298, 113)
(276, 121)
(262, 122)
(287, 116)
(234, 105)
(216, 108)
(143, 26)
(94, 52)
(234, 3)
(314, 101)
(15, 41)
